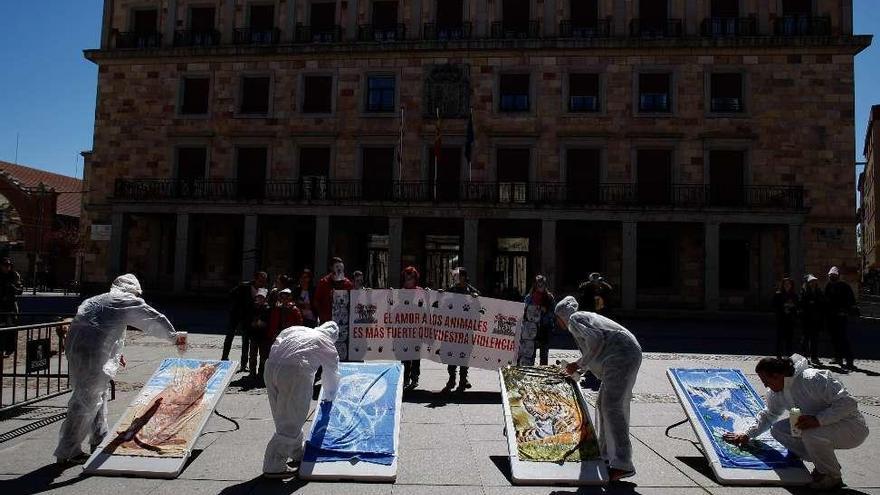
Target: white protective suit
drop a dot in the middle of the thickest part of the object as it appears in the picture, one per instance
(614, 355)
(94, 346)
(290, 376)
(816, 393)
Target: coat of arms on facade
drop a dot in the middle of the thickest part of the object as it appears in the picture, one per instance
(366, 314)
(447, 88)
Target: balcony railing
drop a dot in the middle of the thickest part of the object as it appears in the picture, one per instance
(138, 40)
(798, 25)
(528, 30)
(656, 28)
(318, 34)
(196, 38)
(726, 105)
(372, 32)
(729, 26)
(600, 28)
(320, 190)
(247, 36)
(445, 32)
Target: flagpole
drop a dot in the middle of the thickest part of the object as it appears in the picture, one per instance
(400, 157)
(471, 157)
(436, 151)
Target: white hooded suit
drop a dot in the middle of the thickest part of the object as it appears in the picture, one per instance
(816, 393)
(94, 346)
(614, 355)
(290, 375)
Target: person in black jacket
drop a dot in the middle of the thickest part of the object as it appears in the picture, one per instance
(594, 294)
(241, 315)
(461, 286)
(813, 317)
(840, 303)
(785, 305)
(10, 289)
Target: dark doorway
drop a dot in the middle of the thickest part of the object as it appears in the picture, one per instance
(513, 174)
(145, 21)
(442, 255)
(584, 13)
(252, 164)
(580, 251)
(516, 15)
(512, 267)
(654, 12)
(449, 13)
(378, 173)
(654, 176)
(725, 8)
(314, 171)
(726, 177)
(447, 174)
(384, 15)
(201, 19)
(582, 176)
(262, 17)
(322, 15)
(734, 264)
(657, 259)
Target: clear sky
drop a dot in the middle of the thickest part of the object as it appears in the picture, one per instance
(47, 89)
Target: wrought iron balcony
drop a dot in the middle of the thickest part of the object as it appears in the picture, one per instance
(196, 38)
(320, 190)
(656, 28)
(247, 36)
(373, 32)
(801, 25)
(318, 34)
(600, 28)
(729, 26)
(137, 39)
(510, 31)
(447, 32)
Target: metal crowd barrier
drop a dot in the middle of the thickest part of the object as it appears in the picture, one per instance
(32, 368)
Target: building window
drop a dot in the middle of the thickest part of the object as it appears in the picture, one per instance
(656, 259)
(191, 162)
(654, 176)
(514, 93)
(195, 97)
(512, 170)
(726, 177)
(322, 15)
(377, 173)
(262, 17)
(655, 93)
(583, 93)
(251, 165)
(384, 15)
(582, 175)
(255, 95)
(726, 93)
(201, 19)
(725, 8)
(449, 14)
(317, 94)
(314, 170)
(734, 264)
(797, 7)
(145, 21)
(380, 93)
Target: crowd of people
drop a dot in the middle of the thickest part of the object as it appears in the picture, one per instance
(820, 310)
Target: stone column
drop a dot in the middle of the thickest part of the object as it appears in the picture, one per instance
(395, 250)
(107, 24)
(170, 23)
(548, 251)
(471, 247)
(322, 243)
(846, 17)
(117, 222)
(629, 244)
(228, 21)
(249, 247)
(795, 253)
(710, 264)
(181, 252)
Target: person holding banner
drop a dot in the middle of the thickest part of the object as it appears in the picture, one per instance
(614, 355)
(461, 286)
(412, 367)
(290, 372)
(541, 297)
(334, 280)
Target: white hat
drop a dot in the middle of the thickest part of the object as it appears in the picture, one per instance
(262, 292)
(285, 291)
(811, 277)
(834, 271)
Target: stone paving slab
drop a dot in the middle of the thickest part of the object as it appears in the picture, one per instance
(450, 445)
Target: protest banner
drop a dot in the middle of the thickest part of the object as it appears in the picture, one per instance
(448, 328)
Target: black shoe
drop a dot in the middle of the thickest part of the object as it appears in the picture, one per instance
(449, 386)
(243, 369)
(464, 385)
(407, 384)
(413, 384)
(850, 366)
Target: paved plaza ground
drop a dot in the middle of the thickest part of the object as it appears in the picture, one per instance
(449, 448)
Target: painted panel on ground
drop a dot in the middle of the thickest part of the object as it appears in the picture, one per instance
(723, 400)
(360, 423)
(167, 416)
(448, 328)
(340, 313)
(550, 423)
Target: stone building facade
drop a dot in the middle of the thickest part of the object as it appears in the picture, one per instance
(691, 150)
(868, 182)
